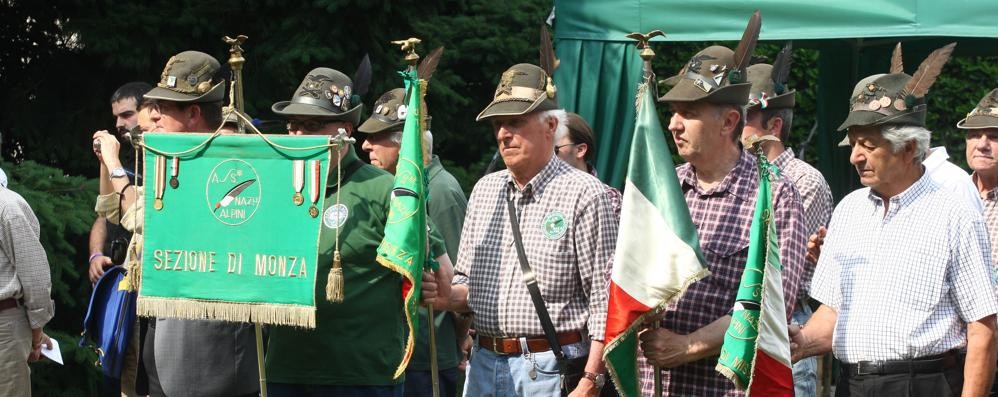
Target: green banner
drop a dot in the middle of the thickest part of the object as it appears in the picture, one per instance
(232, 227)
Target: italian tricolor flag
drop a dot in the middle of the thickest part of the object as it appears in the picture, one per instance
(658, 252)
(756, 350)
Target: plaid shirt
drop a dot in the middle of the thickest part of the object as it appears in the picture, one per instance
(24, 268)
(904, 283)
(723, 216)
(569, 234)
(991, 219)
(817, 199)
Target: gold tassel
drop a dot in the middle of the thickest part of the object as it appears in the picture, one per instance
(334, 285)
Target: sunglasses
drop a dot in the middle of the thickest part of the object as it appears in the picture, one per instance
(558, 147)
(307, 125)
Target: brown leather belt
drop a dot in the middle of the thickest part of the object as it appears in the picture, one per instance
(8, 303)
(534, 344)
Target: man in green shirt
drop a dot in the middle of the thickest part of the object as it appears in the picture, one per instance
(357, 343)
(447, 203)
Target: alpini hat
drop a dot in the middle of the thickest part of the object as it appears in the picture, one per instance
(389, 113)
(985, 115)
(188, 77)
(324, 93)
(523, 88)
(895, 98)
(717, 74)
(769, 83)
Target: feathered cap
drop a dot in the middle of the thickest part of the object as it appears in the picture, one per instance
(390, 108)
(717, 74)
(769, 83)
(330, 94)
(985, 115)
(524, 87)
(896, 98)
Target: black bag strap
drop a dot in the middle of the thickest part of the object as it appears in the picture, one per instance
(530, 279)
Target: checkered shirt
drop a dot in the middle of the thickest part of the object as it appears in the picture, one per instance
(904, 283)
(991, 219)
(817, 199)
(571, 263)
(616, 198)
(723, 216)
(24, 268)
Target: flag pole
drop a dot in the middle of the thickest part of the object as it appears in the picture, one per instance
(434, 370)
(236, 103)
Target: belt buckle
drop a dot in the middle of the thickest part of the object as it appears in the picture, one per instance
(872, 366)
(495, 347)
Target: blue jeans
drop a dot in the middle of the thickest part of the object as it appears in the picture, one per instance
(293, 390)
(420, 383)
(493, 375)
(806, 370)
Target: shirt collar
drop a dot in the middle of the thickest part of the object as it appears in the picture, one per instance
(992, 195)
(537, 184)
(784, 158)
(740, 180)
(434, 167)
(923, 185)
(937, 156)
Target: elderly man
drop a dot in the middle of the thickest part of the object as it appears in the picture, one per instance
(568, 231)
(904, 276)
(770, 112)
(356, 344)
(188, 98)
(981, 126)
(25, 294)
(719, 181)
(447, 204)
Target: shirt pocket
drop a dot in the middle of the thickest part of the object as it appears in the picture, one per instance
(925, 277)
(726, 260)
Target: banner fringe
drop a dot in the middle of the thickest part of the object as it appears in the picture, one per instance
(191, 309)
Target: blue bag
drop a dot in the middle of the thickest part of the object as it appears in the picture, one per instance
(109, 322)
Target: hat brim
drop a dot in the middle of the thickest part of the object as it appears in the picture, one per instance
(289, 108)
(686, 91)
(516, 107)
(215, 94)
(787, 100)
(977, 122)
(863, 118)
(373, 125)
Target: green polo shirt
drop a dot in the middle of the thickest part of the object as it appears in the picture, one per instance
(447, 204)
(359, 341)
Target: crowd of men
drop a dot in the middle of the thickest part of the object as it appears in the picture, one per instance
(897, 282)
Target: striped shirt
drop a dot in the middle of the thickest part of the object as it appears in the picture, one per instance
(817, 200)
(723, 216)
(569, 234)
(24, 268)
(904, 283)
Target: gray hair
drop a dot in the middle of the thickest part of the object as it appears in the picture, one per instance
(396, 137)
(900, 135)
(562, 116)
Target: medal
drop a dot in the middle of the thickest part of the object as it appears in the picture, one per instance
(313, 192)
(174, 171)
(160, 183)
(298, 180)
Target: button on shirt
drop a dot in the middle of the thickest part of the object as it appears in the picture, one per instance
(816, 198)
(904, 283)
(723, 216)
(569, 234)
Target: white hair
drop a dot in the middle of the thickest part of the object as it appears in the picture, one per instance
(562, 116)
(900, 135)
(396, 137)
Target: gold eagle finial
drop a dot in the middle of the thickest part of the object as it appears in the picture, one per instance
(409, 46)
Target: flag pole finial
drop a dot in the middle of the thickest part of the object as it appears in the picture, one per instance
(644, 44)
(409, 47)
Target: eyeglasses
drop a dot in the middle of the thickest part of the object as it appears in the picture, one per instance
(558, 147)
(307, 125)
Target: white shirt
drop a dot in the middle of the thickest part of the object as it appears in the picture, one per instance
(905, 283)
(951, 177)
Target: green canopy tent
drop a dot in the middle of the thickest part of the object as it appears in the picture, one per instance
(600, 68)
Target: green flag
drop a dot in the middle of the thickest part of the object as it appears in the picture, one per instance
(756, 350)
(404, 247)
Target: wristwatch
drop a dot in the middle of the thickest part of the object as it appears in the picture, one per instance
(118, 173)
(598, 379)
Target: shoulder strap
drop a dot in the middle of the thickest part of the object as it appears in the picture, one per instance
(530, 279)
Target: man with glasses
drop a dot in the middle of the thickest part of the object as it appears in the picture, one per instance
(356, 344)
(182, 357)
